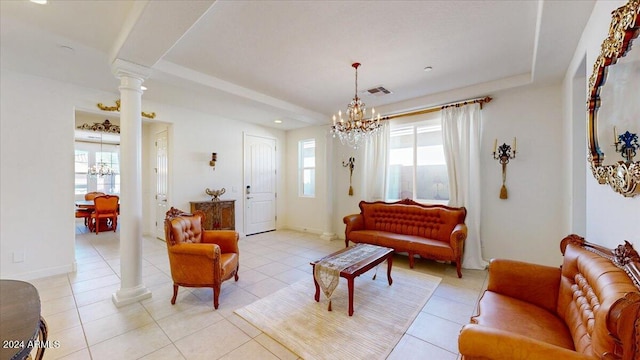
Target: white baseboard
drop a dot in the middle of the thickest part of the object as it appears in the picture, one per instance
(42, 273)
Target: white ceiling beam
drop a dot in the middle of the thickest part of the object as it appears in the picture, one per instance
(305, 115)
(154, 27)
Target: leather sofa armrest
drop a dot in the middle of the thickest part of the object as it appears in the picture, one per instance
(457, 238)
(353, 222)
(482, 342)
(533, 283)
(226, 239)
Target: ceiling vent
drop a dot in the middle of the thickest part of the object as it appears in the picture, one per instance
(379, 91)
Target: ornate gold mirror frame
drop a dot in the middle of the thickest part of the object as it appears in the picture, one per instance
(624, 176)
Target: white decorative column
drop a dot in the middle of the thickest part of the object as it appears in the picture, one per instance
(131, 287)
(328, 233)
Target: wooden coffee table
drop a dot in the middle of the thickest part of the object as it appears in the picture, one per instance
(357, 269)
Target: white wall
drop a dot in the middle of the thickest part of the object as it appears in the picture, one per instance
(309, 214)
(37, 181)
(37, 192)
(527, 226)
(193, 136)
(610, 217)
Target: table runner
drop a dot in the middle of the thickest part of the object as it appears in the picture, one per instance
(327, 271)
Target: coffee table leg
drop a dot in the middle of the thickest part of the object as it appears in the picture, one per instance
(315, 282)
(389, 264)
(350, 285)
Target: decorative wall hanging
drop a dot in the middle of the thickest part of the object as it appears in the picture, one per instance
(215, 194)
(503, 155)
(117, 108)
(350, 164)
(105, 126)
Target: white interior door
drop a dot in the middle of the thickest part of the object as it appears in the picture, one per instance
(259, 184)
(162, 182)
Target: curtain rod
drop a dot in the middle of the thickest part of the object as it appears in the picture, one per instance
(481, 101)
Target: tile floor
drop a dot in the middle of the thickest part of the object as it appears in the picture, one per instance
(81, 316)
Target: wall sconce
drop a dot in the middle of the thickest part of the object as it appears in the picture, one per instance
(626, 144)
(503, 155)
(214, 158)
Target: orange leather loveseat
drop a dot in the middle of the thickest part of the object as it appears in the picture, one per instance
(587, 309)
(431, 231)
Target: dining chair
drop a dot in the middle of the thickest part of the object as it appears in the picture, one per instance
(106, 209)
(92, 195)
(84, 212)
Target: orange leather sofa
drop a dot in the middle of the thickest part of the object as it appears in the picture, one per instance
(431, 231)
(587, 309)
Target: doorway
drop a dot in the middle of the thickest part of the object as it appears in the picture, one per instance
(259, 184)
(162, 181)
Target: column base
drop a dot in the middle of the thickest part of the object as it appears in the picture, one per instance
(131, 295)
(328, 236)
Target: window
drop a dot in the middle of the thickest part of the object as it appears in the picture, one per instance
(417, 168)
(307, 167)
(89, 153)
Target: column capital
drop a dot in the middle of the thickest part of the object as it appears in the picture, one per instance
(121, 68)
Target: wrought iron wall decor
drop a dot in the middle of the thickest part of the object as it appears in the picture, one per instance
(103, 107)
(503, 155)
(351, 163)
(622, 176)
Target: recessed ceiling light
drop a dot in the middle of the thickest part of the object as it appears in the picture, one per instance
(277, 121)
(143, 88)
(428, 68)
(39, 2)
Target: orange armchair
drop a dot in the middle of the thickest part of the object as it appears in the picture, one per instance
(198, 257)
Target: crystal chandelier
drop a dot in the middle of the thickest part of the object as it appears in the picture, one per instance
(100, 168)
(355, 129)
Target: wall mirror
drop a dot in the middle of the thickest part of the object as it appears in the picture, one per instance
(614, 105)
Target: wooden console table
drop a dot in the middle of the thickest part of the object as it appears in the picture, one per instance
(23, 329)
(219, 215)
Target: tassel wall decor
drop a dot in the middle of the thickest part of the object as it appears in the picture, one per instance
(503, 154)
(350, 164)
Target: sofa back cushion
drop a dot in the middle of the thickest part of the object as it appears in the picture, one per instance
(434, 222)
(589, 286)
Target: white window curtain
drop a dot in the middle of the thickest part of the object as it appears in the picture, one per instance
(461, 128)
(376, 160)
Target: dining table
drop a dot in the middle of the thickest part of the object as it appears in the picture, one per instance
(90, 205)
